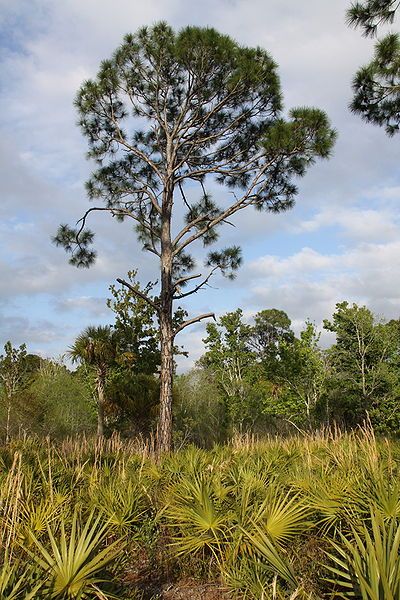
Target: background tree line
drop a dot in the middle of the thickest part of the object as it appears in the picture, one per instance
(256, 378)
(269, 379)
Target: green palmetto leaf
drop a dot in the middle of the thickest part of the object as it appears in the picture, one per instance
(18, 583)
(383, 494)
(75, 562)
(196, 512)
(273, 557)
(367, 566)
(122, 502)
(267, 574)
(36, 517)
(280, 516)
(283, 517)
(332, 498)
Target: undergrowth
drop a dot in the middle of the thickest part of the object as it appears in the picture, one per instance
(306, 517)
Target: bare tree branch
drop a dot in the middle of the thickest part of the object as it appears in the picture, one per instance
(183, 280)
(140, 294)
(183, 196)
(199, 286)
(191, 321)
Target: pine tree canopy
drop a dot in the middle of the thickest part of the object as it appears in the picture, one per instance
(371, 13)
(376, 86)
(169, 109)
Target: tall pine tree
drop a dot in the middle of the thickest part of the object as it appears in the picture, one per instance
(168, 114)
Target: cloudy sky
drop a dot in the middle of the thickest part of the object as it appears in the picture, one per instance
(341, 241)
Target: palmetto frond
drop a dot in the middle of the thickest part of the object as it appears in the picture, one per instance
(18, 582)
(75, 562)
(197, 517)
(366, 564)
(95, 346)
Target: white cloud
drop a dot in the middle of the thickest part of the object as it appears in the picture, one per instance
(356, 223)
(95, 307)
(304, 262)
(19, 329)
(309, 284)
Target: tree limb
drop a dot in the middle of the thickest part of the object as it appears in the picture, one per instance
(242, 202)
(199, 286)
(191, 321)
(185, 279)
(139, 294)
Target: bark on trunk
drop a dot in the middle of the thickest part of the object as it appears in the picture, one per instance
(164, 429)
(164, 432)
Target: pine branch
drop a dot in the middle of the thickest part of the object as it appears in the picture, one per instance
(139, 294)
(199, 286)
(238, 205)
(191, 321)
(184, 280)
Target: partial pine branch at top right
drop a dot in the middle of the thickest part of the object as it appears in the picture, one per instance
(376, 86)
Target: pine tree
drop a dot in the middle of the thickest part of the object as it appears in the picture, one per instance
(376, 86)
(166, 115)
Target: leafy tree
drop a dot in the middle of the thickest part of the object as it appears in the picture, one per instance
(230, 358)
(58, 402)
(166, 116)
(12, 375)
(132, 401)
(385, 413)
(266, 374)
(270, 332)
(135, 328)
(376, 86)
(360, 359)
(132, 388)
(96, 347)
(303, 372)
(290, 373)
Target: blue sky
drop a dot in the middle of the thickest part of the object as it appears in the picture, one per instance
(341, 241)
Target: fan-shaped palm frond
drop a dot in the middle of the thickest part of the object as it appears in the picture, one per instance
(196, 514)
(95, 346)
(366, 564)
(75, 562)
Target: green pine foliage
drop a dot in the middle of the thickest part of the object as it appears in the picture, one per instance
(376, 85)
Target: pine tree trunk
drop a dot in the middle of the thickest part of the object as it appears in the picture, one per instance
(100, 405)
(164, 429)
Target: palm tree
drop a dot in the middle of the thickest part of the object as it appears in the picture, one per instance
(96, 347)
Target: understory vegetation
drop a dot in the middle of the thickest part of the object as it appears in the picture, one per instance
(255, 376)
(306, 517)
